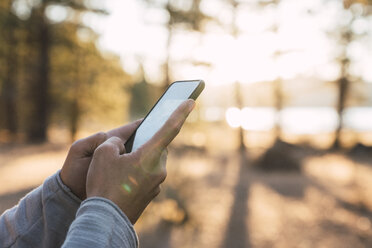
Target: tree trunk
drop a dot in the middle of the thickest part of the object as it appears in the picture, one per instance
(9, 87)
(37, 131)
(239, 104)
(278, 107)
(238, 94)
(167, 81)
(74, 119)
(343, 86)
(75, 111)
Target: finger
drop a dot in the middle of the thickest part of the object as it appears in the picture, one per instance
(162, 161)
(161, 170)
(85, 147)
(124, 132)
(155, 164)
(163, 164)
(112, 145)
(163, 158)
(171, 128)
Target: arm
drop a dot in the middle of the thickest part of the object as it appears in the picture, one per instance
(42, 217)
(100, 223)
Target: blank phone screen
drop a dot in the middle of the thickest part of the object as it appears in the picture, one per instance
(176, 94)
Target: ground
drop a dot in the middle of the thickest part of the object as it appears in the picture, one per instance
(224, 200)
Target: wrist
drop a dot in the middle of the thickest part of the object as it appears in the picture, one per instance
(65, 190)
(75, 180)
(127, 206)
(63, 179)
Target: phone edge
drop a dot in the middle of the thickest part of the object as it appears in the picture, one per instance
(193, 96)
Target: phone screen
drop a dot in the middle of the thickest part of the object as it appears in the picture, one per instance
(177, 93)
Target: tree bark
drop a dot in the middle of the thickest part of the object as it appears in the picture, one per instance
(37, 131)
(278, 107)
(9, 84)
(167, 81)
(75, 111)
(9, 87)
(343, 87)
(239, 104)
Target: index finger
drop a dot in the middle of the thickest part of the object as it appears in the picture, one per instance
(125, 131)
(171, 128)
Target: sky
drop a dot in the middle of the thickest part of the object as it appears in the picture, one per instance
(126, 31)
(306, 38)
(135, 31)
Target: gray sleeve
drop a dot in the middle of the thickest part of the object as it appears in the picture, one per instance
(100, 223)
(42, 217)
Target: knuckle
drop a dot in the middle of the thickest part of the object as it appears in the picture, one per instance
(75, 145)
(104, 148)
(163, 175)
(86, 142)
(101, 136)
(100, 149)
(156, 191)
(117, 139)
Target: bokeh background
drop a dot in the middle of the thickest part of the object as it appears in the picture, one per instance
(278, 152)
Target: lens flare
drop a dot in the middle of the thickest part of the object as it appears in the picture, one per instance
(126, 187)
(133, 180)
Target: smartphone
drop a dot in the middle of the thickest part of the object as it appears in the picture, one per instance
(172, 98)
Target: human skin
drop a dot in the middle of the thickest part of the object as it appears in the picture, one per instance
(75, 167)
(132, 180)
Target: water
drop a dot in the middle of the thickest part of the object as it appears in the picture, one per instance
(298, 120)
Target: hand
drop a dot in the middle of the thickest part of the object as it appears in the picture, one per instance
(132, 180)
(75, 168)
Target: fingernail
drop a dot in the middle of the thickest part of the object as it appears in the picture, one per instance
(191, 104)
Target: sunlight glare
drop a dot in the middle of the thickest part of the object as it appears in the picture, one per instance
(135, 29)
(56, 13)
(358, 118)
(212, 114)
(308, 120)
(233, 117)
(258, 119)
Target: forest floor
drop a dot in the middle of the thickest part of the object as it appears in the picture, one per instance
(224, 200)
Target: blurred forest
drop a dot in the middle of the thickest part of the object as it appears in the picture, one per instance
(278, 152)
(52, 72)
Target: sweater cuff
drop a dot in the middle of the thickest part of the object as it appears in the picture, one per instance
(67, 191)
(110, 215)
(60, 193)
(57, 189)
